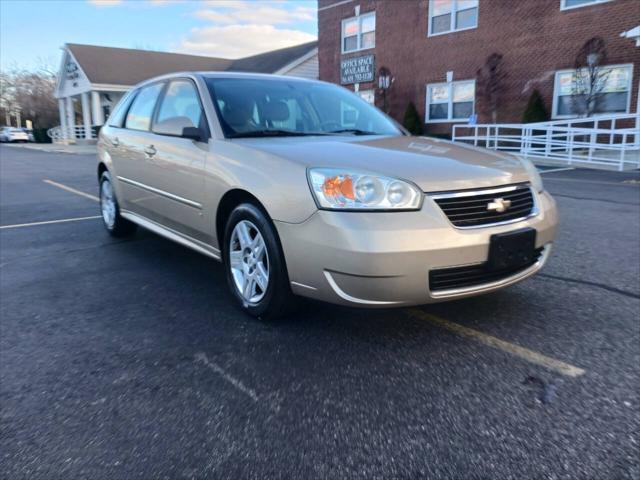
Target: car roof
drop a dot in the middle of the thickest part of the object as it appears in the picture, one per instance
(238, 75)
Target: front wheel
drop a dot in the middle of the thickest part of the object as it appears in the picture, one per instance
(115, 224)
(254, 264)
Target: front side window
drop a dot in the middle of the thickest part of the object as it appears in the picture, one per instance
(180, 108)
(248, 107)
(450, 101)
(581, 94)
(139, 115)
(359, 33)
(568, 4)
(447, 16)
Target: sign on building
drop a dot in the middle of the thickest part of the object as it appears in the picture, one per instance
(357, 70)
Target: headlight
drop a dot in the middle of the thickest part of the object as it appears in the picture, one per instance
(342, 189)
(534, 174)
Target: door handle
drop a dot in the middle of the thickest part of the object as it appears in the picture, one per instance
(115, 142)
(150, 150)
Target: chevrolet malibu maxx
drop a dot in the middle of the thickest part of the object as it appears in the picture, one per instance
(301, 188)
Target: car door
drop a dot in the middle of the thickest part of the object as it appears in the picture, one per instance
(109, 139)
(176, 157)
(132, 162)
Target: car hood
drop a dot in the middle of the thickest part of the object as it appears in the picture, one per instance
(434, 165)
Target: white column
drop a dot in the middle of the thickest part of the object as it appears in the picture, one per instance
(7, 118)
(86, 115)
(63, 117)
(71, 117)
(637, 134)
(98, 117)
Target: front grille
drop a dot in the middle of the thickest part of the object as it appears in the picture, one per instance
(473, 275)
(470, 209)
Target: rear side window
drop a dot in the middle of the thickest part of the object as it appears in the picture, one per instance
(117, 117)
(180, 108)
(139, 115)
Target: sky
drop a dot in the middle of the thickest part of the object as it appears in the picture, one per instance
(32, 31)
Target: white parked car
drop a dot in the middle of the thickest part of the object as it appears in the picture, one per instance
(29, 133)
(11, 134)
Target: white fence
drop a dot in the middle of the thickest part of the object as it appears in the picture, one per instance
(69, 134)
(610, 141)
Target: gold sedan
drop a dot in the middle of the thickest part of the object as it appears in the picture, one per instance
(301, 188)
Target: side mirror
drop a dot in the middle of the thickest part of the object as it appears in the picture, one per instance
(193, 133)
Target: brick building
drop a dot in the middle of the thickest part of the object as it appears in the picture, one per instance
(434, 48)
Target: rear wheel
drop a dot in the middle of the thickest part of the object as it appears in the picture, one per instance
(254, 264)
(115, 224)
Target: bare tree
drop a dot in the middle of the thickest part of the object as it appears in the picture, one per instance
(6, 96)
(31, 93)
(589, 78)
(490, 85)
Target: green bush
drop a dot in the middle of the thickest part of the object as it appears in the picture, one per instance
(536, 110)
(412, 120)
(40, 135)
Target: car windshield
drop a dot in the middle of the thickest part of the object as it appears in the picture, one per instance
(278, 107)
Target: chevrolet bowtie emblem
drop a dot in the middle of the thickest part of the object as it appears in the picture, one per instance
(499, 205)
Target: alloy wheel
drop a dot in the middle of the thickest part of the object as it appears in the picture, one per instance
(108, 204)
(249, 261)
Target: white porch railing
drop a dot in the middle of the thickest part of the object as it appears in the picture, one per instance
(610, 141)
(69, 134)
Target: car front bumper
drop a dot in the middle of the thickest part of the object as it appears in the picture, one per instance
(383, 259)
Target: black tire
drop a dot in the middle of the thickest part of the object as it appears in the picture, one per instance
(277, 300)
(116, 226)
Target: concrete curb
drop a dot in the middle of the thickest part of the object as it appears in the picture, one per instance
(54, 148)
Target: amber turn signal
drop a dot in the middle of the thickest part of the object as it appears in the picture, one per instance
(338, 186)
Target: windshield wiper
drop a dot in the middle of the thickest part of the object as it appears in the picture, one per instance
(273, 133)
(355, 131)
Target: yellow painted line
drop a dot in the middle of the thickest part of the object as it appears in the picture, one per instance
(49, 222)
(72, 190)
(521, 352)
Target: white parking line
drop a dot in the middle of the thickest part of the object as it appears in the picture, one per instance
(202, 357)
(524, 353)
(72, 190)
(49, 222)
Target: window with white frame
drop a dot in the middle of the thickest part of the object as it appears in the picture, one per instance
(612, 85)
(446, 16)
(568, 4)
(359, 33)
(450, 102)
(368, 96)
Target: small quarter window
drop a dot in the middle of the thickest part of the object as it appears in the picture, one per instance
(117, 117)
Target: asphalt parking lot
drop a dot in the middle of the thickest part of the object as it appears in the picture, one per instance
(126, 358)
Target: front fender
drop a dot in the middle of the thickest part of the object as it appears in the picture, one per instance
(279, 184)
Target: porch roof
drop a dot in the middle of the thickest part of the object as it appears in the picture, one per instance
(126, 66)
